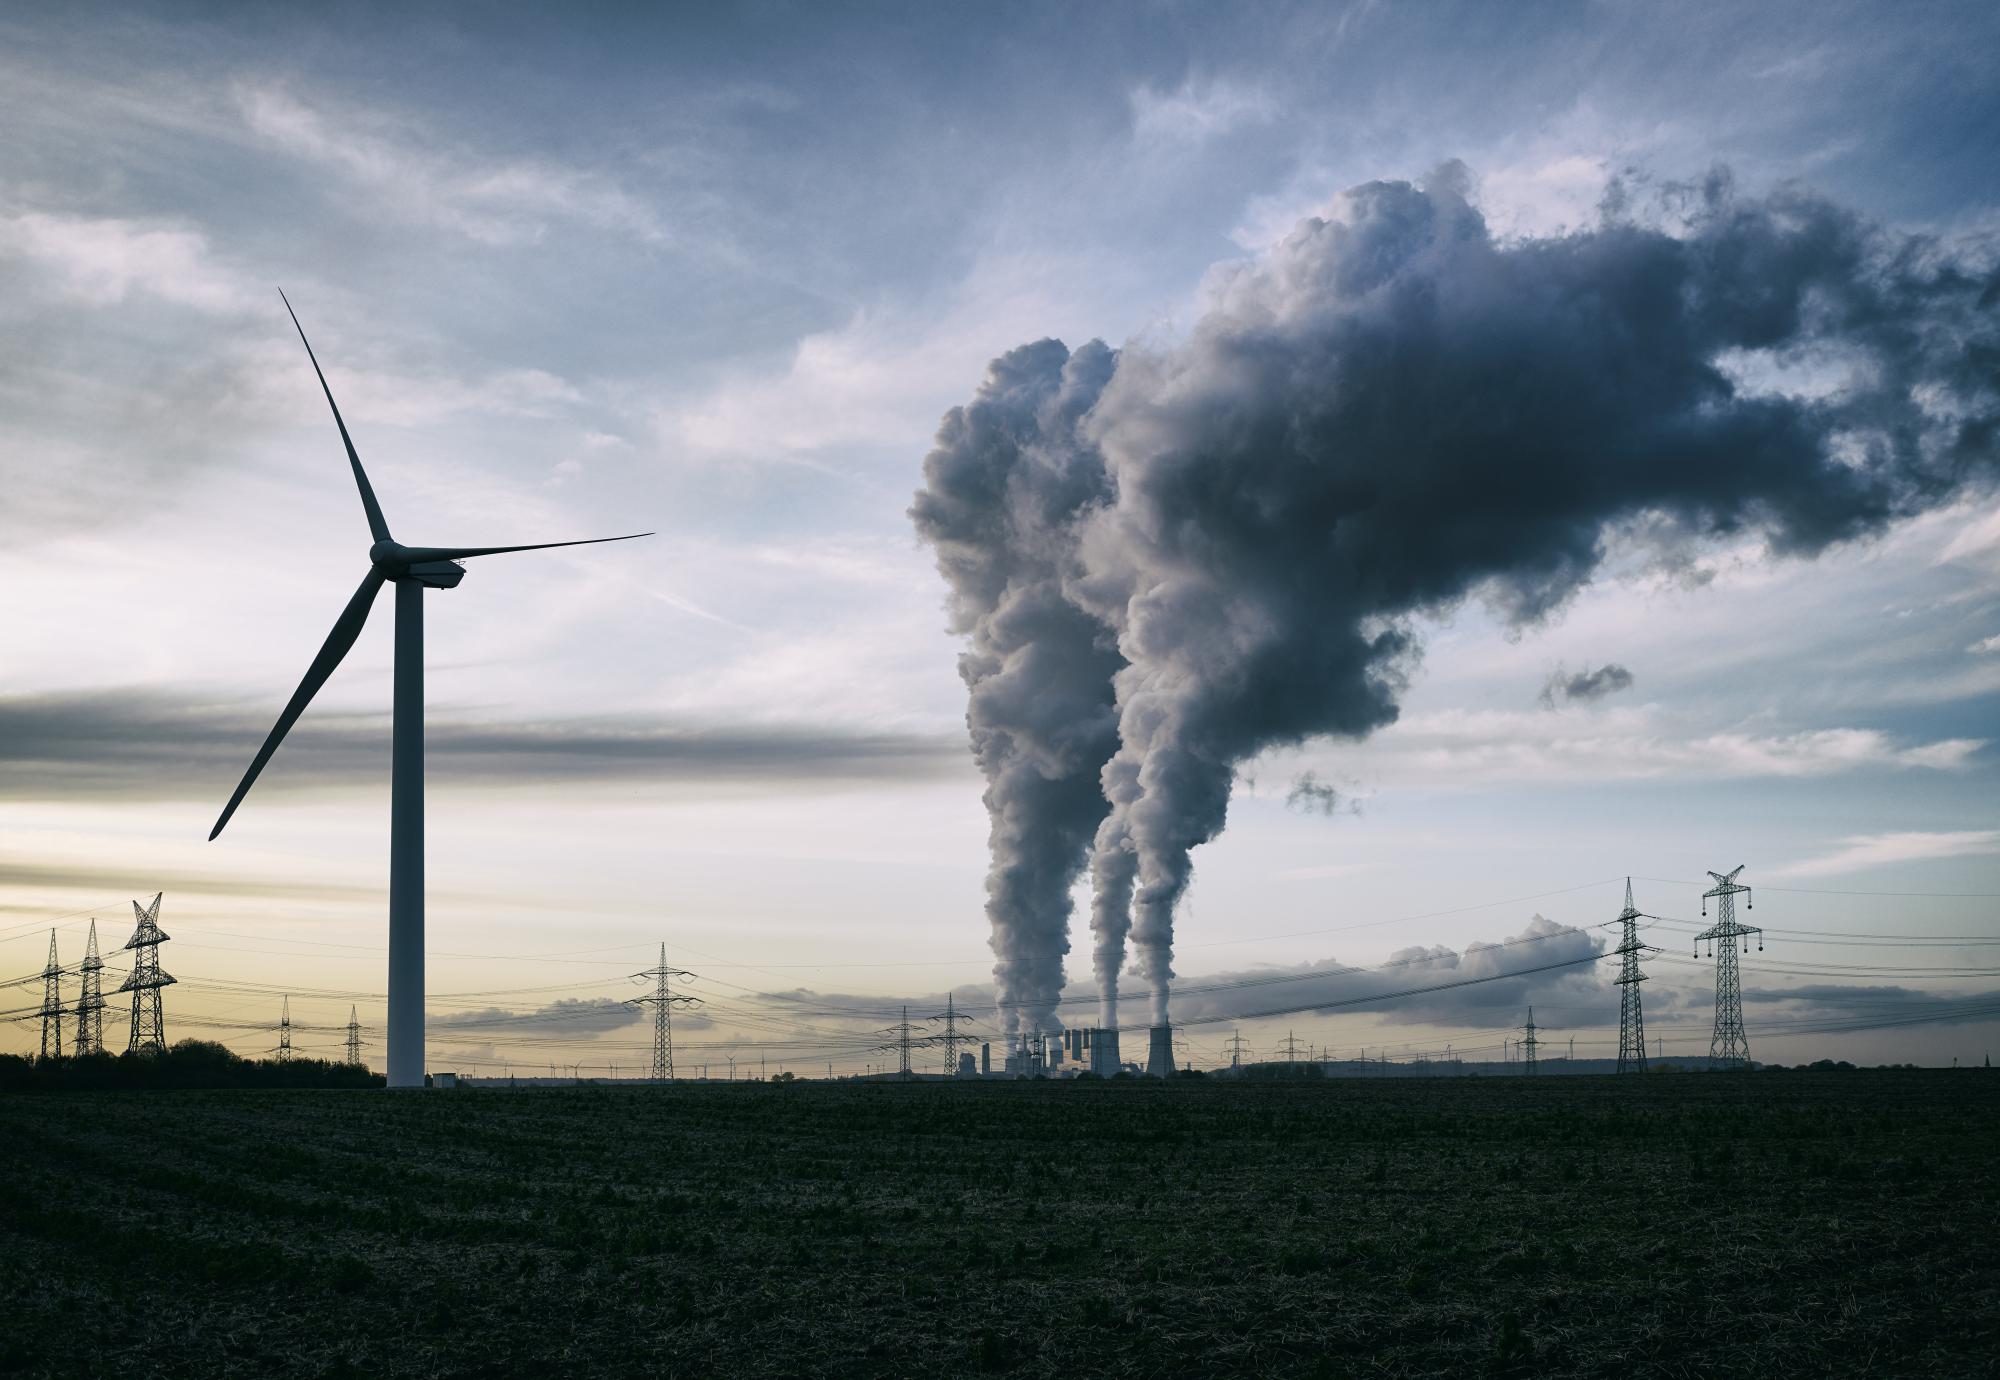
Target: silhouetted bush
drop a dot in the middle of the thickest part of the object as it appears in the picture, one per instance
(189, 1064)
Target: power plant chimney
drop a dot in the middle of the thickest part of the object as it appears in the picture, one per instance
(1160, 1058)
(1104, 1053)
(986, 1060)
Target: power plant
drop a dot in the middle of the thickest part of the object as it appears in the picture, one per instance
(942, 1045)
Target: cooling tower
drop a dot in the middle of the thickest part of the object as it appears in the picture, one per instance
(1160, 1057)
(1104, 1052)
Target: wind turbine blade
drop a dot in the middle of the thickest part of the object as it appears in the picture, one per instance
(416, 554)
(346, 628)
(375, 523)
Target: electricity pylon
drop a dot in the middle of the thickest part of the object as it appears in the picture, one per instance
(1529, 1045)
(951, 1018)
(284, 1050)
(663, 999)
(1234, 1044)
(901, 1044)
(149, 1024)
(1291, 1049)
(90, 1006)
(353, 1035)
(1729, 1047)
(52, 1012)
(1631, 1020)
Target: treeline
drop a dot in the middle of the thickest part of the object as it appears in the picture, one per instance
(189, 1064)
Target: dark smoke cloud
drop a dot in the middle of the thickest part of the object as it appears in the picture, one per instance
(1564, 685)
(1394, 411)
(1312, 796)
(1003, 490)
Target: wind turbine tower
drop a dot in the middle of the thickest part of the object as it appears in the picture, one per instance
(412, 570)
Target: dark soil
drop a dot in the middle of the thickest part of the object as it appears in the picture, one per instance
(1775, 1224)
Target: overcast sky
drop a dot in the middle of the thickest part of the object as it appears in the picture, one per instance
(719, 275)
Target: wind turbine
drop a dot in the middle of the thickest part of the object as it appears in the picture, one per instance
(412, 569)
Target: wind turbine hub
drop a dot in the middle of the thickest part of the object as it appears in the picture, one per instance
(427, 566)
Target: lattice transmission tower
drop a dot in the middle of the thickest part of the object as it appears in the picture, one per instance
(1290, 1047)
(663, 999)
(90, 1005)
(284, 1049)
(1235, 1046)
(1529, 1044)
(1631, 1019)
(149, 1024)
(52, 1012)
(353, 1035)
(1729, 1047)
(951, 1039)
(902, 1043)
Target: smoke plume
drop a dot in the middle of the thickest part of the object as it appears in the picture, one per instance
(1004, 487)
(1394, 411)
(1564, 685)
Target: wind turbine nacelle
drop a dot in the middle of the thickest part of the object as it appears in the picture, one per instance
(436, 574)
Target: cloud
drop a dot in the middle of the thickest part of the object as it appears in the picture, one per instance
(568, 1016)
(1877, 1003)
(1985, 645)
(1564, 686)
(418, 178)
(1328, 984)
(1876, 850)
(115, 878)
(1462, 747)
(105, 260)
(1195, 112)
(159, 745)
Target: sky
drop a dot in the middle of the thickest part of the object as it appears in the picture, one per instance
(719, 275)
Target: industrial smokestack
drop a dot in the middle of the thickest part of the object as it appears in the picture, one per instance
(1104, 1052)
(1160, 1058)
(986, 1059)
